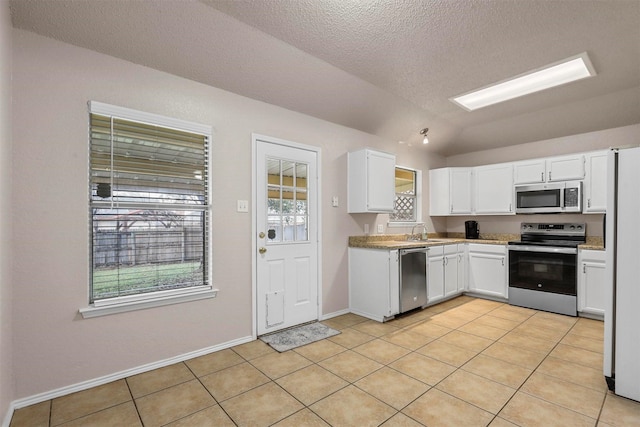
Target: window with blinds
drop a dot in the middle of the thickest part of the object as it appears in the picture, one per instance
(149, 200)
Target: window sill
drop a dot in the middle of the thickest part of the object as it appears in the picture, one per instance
(156, 301)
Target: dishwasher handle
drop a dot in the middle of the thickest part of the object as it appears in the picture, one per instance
(413, 250)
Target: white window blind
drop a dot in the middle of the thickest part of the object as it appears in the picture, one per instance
(149, 199)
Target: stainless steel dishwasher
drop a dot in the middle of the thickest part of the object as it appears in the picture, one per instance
(413, 278)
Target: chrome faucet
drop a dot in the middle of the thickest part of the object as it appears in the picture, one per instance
(424, 232)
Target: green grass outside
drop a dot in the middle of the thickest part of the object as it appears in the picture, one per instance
(112, 282)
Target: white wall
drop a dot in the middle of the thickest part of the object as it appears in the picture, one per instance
(52, 83)
(592, 141)
(6, 349)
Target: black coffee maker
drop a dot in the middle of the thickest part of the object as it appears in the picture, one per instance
(471, 230)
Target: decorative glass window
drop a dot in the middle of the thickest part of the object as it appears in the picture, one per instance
(288, 215)
(149, 205)
(406, 196)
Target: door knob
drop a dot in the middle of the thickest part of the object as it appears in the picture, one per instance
(262, 250)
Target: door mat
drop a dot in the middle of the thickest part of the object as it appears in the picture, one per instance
(298, 336)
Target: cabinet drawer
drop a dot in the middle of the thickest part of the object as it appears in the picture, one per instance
(435, 251)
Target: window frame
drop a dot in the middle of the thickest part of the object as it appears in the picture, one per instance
(418, 205)
(140, 301)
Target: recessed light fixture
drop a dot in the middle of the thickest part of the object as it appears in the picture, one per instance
(423, 132)
(568, 70)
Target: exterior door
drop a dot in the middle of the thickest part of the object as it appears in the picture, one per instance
(286, 243)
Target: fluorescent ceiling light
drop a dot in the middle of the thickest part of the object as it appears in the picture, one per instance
(569, 70)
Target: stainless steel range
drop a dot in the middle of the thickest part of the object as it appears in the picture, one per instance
(543, 266)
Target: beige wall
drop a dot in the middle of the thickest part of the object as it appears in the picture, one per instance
(52, 83)
(6, 365)
(617, 137)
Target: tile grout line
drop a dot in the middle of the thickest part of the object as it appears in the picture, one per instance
(133, 400)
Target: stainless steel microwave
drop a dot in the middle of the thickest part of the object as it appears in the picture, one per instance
(553, 197)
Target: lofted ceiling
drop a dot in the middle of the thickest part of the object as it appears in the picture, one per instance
(386, 67)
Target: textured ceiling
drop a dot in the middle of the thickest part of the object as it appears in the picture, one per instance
(386, 67)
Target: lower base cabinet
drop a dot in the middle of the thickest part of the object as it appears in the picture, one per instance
(488, 269)
(446, 272)
(591, 283)
(374, 286)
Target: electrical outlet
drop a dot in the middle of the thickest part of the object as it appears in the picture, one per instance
(334, 201)
(380, 228)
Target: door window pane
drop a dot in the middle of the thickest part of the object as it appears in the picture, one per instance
(287, 209)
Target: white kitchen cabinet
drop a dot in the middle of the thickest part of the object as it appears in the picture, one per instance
(374, 283)
(450, 191)
(371, 181)
(435, 274)
(463, 261)
(565, 168)
(591, 283)
(451, 271)
(561, 168)
(529, 171)
(494, 189)
(488, 266)
(446, 272)
(595, 183)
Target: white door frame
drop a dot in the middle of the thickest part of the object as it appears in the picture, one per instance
(254, 220)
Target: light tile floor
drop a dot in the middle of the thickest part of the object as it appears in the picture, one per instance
(465, 362)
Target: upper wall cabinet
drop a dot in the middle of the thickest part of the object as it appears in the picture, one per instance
(450, 191)
(595, 183)
(552, 169)
(529, 171)
(565, 168)
(494, 189)
(371, 181)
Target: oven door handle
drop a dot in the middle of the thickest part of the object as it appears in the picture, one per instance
(546, 249)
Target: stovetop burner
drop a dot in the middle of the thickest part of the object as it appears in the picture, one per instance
(552, 234)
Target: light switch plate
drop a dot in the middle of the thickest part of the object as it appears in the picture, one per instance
(380, 228)
(243, 206)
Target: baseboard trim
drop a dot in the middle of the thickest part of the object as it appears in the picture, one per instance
(335, 314)
(63, 391)
(7, 419)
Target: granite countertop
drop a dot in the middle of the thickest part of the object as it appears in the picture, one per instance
(399, 241)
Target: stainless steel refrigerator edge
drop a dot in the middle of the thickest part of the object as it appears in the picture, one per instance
(622, 314)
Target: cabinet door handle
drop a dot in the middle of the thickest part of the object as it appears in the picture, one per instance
(510, 210)
(584, 268)
(451, 211)
(588, 203)
(541, 176)
(503, 262)
(549, 175)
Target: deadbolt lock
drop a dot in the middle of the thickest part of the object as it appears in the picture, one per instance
(261, 235)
